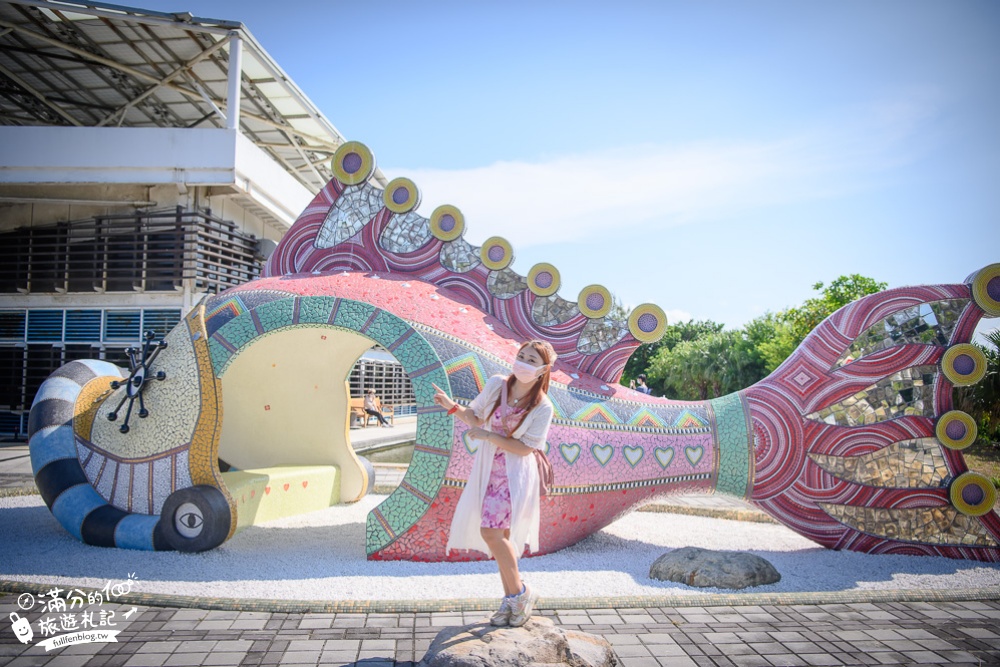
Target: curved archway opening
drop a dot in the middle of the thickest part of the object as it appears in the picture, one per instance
(286, 403)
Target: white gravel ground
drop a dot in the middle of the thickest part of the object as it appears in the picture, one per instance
(321, 556)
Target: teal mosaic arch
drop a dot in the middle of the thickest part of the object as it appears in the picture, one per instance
(432, 450)
(734, 444)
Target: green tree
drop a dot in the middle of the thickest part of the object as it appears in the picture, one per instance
(642, 358)
(681, 372)
(698, 359)
(839, 293)
(772, 340)
(982, 400)
(710, 365)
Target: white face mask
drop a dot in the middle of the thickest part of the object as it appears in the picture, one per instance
(526, 372)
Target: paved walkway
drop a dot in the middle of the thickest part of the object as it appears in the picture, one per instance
(899, 633)
(15, 470)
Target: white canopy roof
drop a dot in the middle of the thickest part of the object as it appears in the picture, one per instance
(94, 64)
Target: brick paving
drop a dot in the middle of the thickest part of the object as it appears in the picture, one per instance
(15, 470)
(960, 633)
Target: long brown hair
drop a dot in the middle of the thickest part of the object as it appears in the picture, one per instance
(541, 385)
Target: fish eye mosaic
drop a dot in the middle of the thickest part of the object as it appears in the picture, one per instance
(853, 442)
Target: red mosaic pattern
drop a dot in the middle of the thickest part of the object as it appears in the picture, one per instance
(789, 486)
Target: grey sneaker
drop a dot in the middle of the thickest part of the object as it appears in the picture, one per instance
(502, 615)
(522, 606)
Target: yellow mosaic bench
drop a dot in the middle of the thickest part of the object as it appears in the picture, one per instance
(265, 494)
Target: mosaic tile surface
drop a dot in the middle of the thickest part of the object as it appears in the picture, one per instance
(933, 525)
(917, 463)
(173, 407)
(506, 284)
(405, 233)
(601, 335)
(928, 324)
(907, 392)
(552, 311)
(353, 209)
(734, 445)
(460, 257)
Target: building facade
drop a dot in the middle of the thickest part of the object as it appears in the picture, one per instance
(149, 159)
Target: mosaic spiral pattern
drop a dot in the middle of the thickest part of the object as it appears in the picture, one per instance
(496, 253)
(401, 195)
(956, 430)
(647, 323)
(964, 364)
(60, 478)
(353, 163)
(986, 289)
(543, 280)
(594, 301)
(973, 494)
(447, 223)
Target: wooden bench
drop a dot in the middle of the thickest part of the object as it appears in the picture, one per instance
(358, 411)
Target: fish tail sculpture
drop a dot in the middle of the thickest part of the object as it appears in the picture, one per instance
(853, 441)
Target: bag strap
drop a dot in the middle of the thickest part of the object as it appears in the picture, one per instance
(503, 407)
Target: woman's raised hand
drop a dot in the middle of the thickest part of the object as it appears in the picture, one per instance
(441, 398)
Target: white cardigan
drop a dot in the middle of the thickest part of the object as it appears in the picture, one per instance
(522, 477)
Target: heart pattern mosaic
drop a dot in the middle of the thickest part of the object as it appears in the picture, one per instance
(664, 456)
(602, 453)
(633, 455)
(694, 454)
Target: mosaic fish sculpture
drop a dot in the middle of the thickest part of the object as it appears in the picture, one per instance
(853, 442)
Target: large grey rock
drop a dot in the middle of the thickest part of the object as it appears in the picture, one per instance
(717, 569)
(537, 642)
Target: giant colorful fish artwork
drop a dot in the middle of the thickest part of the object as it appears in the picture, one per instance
(853, 442)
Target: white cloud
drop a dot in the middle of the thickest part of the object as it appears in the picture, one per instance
(585, 195)
(677, 316)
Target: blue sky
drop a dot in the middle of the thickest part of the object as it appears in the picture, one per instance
(714, 158)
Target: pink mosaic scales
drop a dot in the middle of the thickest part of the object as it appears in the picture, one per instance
(852, 442)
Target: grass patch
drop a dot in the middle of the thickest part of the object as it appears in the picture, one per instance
(984, 458)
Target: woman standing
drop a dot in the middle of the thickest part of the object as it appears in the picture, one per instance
(498, 512)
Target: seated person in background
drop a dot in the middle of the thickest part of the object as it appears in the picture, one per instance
(640, 384)
(373, 407)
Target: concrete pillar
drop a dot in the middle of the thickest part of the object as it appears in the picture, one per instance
(235, 68)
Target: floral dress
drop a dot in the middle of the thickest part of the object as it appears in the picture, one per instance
(496, 502)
